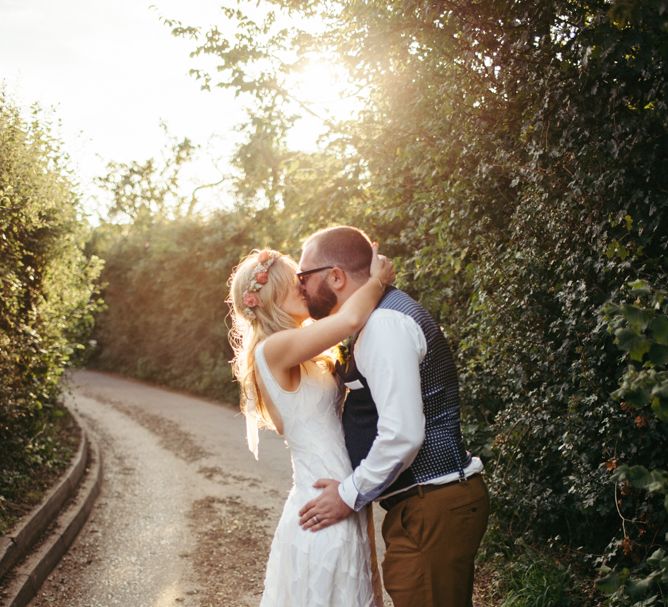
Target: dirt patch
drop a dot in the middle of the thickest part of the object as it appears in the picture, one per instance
(218, 475)
(171, 436)
(486, 588)
(232, 546)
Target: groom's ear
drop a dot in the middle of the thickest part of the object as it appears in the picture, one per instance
(338, 279)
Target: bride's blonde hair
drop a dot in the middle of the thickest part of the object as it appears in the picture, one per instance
(266, 318)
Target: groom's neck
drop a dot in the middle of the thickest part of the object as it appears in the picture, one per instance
(346, 292)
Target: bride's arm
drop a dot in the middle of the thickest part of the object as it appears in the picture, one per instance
(288, 349)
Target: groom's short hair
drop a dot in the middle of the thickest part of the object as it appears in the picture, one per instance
(343, 246)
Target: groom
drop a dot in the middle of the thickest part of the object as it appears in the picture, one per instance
(402, 429)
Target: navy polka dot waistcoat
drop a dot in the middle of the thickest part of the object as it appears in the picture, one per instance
(443, 451)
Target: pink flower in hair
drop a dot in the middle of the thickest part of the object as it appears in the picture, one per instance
(262, 277)
(263, 257)
(251, 300)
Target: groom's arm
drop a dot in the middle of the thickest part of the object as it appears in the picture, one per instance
(388, 355)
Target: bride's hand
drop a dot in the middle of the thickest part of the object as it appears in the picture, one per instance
(381, 267)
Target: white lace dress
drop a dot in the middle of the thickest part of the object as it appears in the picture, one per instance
(328, 568)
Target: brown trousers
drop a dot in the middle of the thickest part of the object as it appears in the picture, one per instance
(431, 541)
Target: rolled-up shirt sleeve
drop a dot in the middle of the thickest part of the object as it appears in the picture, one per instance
(388, 353)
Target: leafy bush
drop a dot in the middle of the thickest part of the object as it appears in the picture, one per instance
(47, 299)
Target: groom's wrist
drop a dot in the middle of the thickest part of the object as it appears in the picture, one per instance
(348, 492)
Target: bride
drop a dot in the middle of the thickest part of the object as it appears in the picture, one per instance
(287, 385)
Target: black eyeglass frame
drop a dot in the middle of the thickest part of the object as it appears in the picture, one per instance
(305, 273)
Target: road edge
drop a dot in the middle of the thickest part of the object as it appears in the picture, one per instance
(26, 580)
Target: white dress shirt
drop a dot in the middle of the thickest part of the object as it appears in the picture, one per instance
(388, 354)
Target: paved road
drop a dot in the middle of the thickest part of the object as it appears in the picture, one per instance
(186, 514)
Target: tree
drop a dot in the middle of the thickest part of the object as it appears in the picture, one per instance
(146, 191)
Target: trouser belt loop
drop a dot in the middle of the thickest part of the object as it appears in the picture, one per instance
(420, 491)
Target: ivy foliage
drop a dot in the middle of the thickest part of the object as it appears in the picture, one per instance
(640, 327)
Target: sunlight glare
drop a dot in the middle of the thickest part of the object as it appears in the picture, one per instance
(323, 94)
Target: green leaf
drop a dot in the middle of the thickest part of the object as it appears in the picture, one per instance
(658, 354)
(639, 476)
(659, 329)
(657, 558)
(628, 220)
(638, 318)
(640, 287)
(629, 341)
(658, 482)
(616, 249)
(640, 588)
(660, 408)
(660, 390)
(612, 582)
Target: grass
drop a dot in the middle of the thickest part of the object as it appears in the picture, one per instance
(511, 573)
(538, 584)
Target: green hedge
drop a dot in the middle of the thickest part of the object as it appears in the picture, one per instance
(165, 285)
(47, 299)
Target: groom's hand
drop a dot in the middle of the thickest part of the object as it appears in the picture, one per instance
(326, 509)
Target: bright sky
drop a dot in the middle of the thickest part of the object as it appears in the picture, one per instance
(112, 72)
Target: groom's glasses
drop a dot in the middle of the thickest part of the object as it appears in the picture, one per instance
(301, 276)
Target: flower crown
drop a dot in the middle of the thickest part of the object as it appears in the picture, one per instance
(250, 298)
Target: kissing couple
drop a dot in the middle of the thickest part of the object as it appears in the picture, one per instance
(380, 424)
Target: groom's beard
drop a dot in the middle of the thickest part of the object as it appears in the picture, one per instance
(322, 302)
